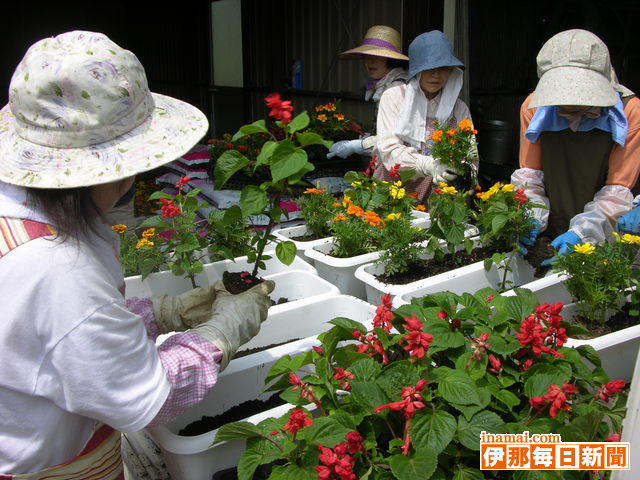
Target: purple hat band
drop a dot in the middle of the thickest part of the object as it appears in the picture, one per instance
(380, 43)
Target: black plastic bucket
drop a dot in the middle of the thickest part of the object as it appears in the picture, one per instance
(498, 142)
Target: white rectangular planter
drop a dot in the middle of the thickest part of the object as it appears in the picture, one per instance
(469, 278)
(192, 458)
(166, 282)
(288, 233)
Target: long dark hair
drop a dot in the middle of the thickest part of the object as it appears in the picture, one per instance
(71, 211)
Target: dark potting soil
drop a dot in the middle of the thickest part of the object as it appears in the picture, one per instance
(244, 410)
(238, 282)
(431, 267)
(618, 321)
(307, 237)
(539, 252)
(249, 351)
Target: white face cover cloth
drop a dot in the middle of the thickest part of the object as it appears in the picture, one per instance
(413, 113)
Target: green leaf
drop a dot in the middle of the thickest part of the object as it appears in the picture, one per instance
(467, 473)
(433, 430)
(327, 431)
(538, 385)
(470, 410)
(365, 370)
(286, 252)
(293, 472)
(188, 243)
(399, 375)
(368, 394)
(230, 162)
(253, 200)
(299, 122)
(469, 431)
(497, 223)
(443, 335)
(255, 127)
(232, 215)
(287, 160)
(312, 138)
(458, 387)
(158, 194)
(236, 431)
(506, 397)
(590, 354)
(265, 153)
(348, 324)
(419, 464)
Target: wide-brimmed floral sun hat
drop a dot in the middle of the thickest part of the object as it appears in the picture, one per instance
(80, 113)
(574, 68)
(380, 41)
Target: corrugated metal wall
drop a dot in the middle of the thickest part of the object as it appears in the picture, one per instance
(314, 32)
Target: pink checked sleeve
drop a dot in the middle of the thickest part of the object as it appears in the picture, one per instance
(191, 363)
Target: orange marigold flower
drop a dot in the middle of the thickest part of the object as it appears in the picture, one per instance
(314, 191)
(330, 107)
(213, 141)
(226, 136)
(339, 218)
(148, 233)
(451, 132)
(373, 219)
(228, 145)
(465, 125)
(242, 148)
(322, 117)
(436, 136)
(319, 108)
(452, 142)
(421, 208)
(119, 228)
(355, 210)
(475, 132)
(346, 201)
(338, 116)
(413, 195)
(144, 242)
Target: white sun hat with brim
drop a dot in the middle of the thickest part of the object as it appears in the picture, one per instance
(80, 113)
(574, 68)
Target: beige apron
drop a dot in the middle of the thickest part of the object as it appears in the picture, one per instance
(100, 459)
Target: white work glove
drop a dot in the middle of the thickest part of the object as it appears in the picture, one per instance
(344, 148)
(236, 318)
(181, 312)
(427, 165)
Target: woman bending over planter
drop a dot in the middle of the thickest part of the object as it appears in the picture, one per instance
(81, 122)
(407, 113)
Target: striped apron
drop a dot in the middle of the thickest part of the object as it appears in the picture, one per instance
(100, 459)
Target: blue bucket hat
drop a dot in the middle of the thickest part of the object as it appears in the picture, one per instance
(431, 50)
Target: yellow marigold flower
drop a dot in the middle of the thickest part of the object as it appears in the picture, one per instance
(508, 188)
(615, 234)
(339, 218)
(356, 184)
(148, 233)
(631, 239)
(451, 132)
(442, 184)
(397, 184)
(355, 210)
(449, 190)
(584, 248)
(346, 201)
(465, 125)
(421, 208)
(330, 107)
(373, 219)
(119, 228)
(396, 192)
(338, 116)
(322, 117)
(313, 191)
(484, 196)
(144, 242)
(436, 136)
(393, 216)
(319, 108)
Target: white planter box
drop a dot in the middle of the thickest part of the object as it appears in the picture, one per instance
(469, 278)
(192, 458)
(166, 282)
(288, 233)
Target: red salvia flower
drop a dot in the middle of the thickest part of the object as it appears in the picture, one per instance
(557, 398)
(383, 314)
(520, 196)
(184, 180)
(372, 166)
(541, 330)
(494, 364)
(344, 377)
(336, 465)
(297, 419)
(354, 442)
(370, 345)
(608, 390)
(280, 109)
(395, 171)
(169, 208)
(417, 341)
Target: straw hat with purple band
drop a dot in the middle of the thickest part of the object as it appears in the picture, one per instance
(574, 69)
(381, 41)
(80, 113)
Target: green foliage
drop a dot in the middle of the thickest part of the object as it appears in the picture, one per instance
(318, 209)
(228, 236)
(600, 276)
(456, 147)
(409, 398)
(139, 255)
(284, 161)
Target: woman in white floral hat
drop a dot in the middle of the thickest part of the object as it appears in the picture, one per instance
(382, 57)
(579, 142)
(80, 362)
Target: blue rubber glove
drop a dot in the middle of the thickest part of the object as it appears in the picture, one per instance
(529, 240)
(345, 148)
(630, 221)
(562, 243)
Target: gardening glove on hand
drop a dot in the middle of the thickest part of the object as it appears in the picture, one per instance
(426, 165)
(345, 148)
(629, 222)
(236, 318)
(529, 240)
(181, 312)
(563, 243)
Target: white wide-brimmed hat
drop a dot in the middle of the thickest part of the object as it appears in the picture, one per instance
(80, 113)
(574, 68)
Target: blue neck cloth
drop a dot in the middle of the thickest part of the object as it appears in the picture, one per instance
(611, 119)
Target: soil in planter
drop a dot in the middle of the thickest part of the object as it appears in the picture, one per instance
(539, 252)
(428, 268)
(238, 282)
(308, 237)
(234, 414)
(618, 321)
(249, 351)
